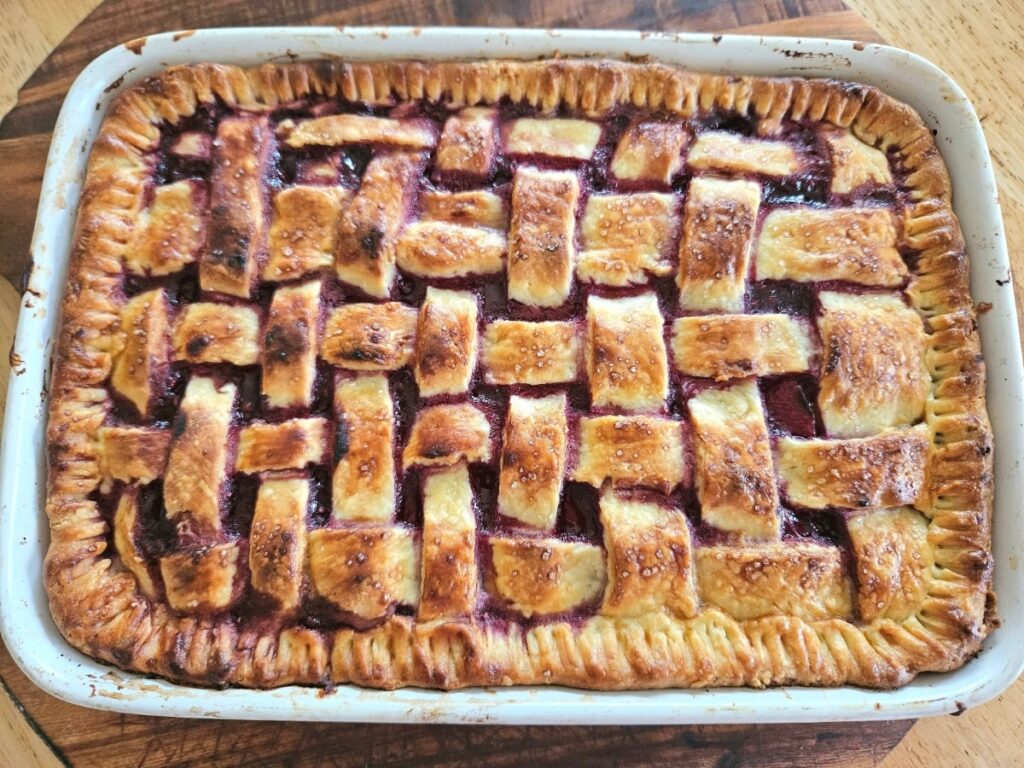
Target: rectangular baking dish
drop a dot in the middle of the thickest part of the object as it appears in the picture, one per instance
(38, 648)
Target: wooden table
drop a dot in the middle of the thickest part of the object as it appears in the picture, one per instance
(983, 54)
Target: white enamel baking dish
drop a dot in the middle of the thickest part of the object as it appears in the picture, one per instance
(33, 639)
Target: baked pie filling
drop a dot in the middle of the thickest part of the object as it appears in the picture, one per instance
(602, 374)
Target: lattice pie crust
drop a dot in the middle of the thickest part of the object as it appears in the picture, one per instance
(584, 372)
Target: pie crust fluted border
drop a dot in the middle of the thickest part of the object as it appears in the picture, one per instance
(96, 602)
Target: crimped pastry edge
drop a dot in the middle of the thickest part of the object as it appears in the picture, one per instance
(97, 605)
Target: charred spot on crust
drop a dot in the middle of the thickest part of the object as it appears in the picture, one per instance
(179, 425)
(834, 355)
(436, 451)
(853, 90)
(285, 342)
(155, 86)
(196, 345)
(325, 69)
(363, 356)
(977, 564)
(371, 241)
(341, 441)
(229, 245)
(220, 669)
(439, 352)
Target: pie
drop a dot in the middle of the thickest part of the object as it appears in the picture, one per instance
(592, 373)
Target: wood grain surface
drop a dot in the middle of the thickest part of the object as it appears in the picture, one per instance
(36, 729)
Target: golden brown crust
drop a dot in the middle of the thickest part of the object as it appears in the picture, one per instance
(289, 345)
(805, 581)
(477, 207)
(365, 250)
(627, 238)
(725, 151)
(884, 470)
(723, 347)
(521, 352)
(337, 130)
(650, 559)
(449, 570)
(208, 332)
(468, 142)
(236, 228)
(364, 466)
(288, 445)
(277, 540)
(443, 435)
(171, 231)
(446, 342)
(532, 463)
(133, 454)
(303, 231)
(541, 251)
(853, 162)
(893, 562)
(541, 576)
(370, 337)
(99, 604)
(854, 244)
(873, 373)
(627, 363)
(126, 520)
(457, 235)
(440, 250)
(630, 451)
(559, 137)
(147, 348)
(733, 473)
(714, 254)
(364, 571)
(650, 150)
(197, 466)
(201, 581)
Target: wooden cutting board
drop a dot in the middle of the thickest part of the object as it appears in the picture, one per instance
(86, 737)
